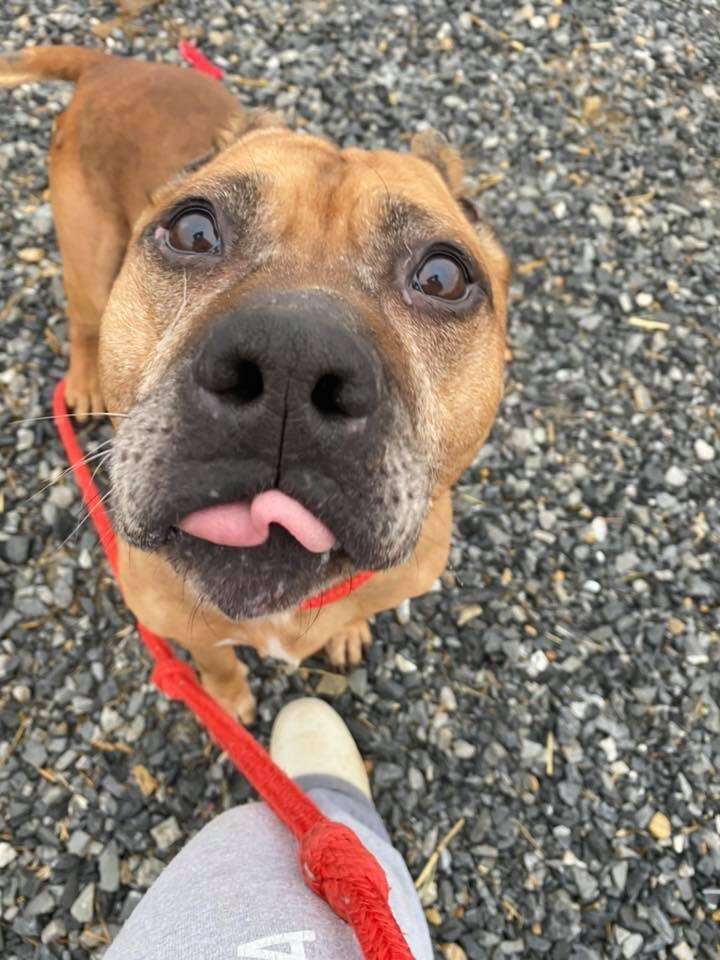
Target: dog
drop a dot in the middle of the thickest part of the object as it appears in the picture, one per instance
(300, 346)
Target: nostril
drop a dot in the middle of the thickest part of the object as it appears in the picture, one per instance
(249, 382)
(327, 396)
(234, 379)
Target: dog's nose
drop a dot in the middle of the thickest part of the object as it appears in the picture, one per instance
(298, 348)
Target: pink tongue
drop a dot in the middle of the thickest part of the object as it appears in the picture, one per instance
(246, 523)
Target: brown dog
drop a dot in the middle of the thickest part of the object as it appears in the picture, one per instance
(301, 347)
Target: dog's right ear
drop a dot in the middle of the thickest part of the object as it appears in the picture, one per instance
(432, 146)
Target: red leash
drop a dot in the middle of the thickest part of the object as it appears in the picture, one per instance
(196, 58)
(334, 863)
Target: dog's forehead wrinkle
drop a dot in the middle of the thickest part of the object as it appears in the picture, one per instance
(238, 188)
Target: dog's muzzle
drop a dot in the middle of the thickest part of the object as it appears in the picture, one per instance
(279, 457)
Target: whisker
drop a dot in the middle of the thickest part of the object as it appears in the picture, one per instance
(65, 416)
(103, 460)
(89, 459)
(96, 505)
(314, 616)
(193, 615)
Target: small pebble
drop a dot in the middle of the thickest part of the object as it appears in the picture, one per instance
(660, 826)
(31, 254)
(40, 905)
(22, 693)
(84, 906)
(537, 664)
(675, 477)
(54, 931)
(16, 549)
(642, 398)
(402, 612)
(603, 214)
(683, 951)
(599, 530)
(464, 750)
(7, 854)
(109, 866)
(703, 451)
(167, 833)
(632, 945)
(404, 665)
(110, 719)
(448, 700)
(78, 843)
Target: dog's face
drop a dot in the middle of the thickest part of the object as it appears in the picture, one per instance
(307, 343)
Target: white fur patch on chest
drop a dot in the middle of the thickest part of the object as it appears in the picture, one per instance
(274, 648)
(272, 643)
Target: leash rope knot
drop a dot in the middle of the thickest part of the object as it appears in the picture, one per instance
(338, 868)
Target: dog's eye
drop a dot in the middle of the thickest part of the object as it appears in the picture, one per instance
(441, 276)
(194, 231)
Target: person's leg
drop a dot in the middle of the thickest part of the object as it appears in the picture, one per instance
(236, 890)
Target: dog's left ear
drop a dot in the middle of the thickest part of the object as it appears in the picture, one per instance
(234, 129)
(433, 147)
(243, 123)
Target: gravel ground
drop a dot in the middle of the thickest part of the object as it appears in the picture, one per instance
(557, 701)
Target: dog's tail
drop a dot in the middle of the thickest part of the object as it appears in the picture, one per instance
(34, 64)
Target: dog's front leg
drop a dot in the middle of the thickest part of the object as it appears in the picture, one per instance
(161, 601)
(224, 677)
(346, 646)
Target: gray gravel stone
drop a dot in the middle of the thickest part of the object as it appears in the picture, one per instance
(683, 951)
(632, 945)
(110, 720)
(83, 907)
(675, 477)
(53, 931)
(16, 549)
(7, 854)
(586, 884)
(167, 833)
(79, 842)
(703, 451)
(464, 750)
(41, 904)
(109, 866)
(148, 872)
(34, 753)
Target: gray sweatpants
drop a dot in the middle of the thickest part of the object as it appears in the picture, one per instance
(235, 890)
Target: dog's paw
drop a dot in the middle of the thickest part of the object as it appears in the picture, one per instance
(345, 648)
(82, 392)
(233, 695)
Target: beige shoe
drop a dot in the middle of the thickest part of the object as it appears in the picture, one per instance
(309, 737)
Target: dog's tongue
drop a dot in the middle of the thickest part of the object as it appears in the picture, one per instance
(247, 522)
